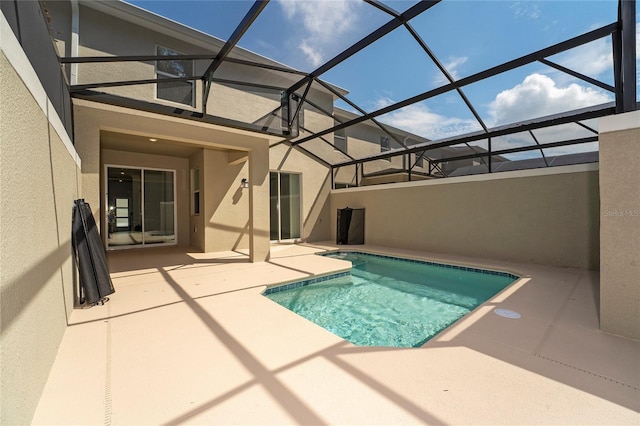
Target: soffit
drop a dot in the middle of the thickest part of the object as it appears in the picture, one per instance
(142, 144)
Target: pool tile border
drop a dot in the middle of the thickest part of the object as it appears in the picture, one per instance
(427, 262)
(278, 288)
(302, 283)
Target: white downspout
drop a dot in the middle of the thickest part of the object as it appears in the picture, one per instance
(75, 40)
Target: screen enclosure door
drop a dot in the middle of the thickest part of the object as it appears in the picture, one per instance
(285, 206)
(140, 206)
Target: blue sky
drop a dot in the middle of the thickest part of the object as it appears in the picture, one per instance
(466, 36)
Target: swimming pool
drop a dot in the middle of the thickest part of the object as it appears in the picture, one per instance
(390, 301)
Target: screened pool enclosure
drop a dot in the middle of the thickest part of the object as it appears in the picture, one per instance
(447, 124)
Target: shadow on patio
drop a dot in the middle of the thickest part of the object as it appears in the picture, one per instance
(200, 344)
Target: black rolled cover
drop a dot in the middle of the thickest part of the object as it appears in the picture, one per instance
(91, 259)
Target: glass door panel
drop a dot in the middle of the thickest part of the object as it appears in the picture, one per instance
(289, 206)
(158, 207)
(285, 206)
(274, 231)
(124, 221)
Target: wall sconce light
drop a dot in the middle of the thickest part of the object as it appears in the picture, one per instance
(244, 183)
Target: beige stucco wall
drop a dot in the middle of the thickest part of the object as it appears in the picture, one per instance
(86, 129)
(538, 216)
(217, 228)
(261, 106)
(105, 35)
(102, 34)
(315, 176)
(221, 179)
(316, 185)
(38, 183)
(225, 203)
(620, 224)
(364, 140)
(259, 203)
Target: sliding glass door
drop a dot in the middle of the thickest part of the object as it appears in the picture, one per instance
(285, 206)
(140, 207)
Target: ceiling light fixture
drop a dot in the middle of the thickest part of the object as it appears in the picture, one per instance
(153, 140)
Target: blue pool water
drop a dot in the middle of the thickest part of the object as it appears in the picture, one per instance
(387, 301)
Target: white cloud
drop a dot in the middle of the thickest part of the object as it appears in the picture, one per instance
(539, 96)
(592, 59)
(313, 55)
(420, 120)
(324, 24)
(526, 9)
(452, 67)
(453, 64)
(382, 102)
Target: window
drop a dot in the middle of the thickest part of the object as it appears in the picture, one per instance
(195, 189)
(301, 118)
(384, 145)
(175, 91)
(339, 185)
(340, 139)
(288, 107)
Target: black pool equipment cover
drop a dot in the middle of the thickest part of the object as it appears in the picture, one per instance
(95, 282)
(350, 226)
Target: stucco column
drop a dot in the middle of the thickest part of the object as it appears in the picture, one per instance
(87, 144)
(620, 224)
(259, 244)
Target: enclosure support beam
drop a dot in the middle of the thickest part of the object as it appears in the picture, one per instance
(410, 13)
(521, 149)
(244, 25)
(627, 17)
(507, 66)
(523, 126)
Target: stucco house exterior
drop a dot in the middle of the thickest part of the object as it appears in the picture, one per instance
(201, 166)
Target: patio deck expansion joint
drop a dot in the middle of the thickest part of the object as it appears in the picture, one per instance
(107, 379)
(588, 372)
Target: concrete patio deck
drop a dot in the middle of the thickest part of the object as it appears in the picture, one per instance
(189, 339)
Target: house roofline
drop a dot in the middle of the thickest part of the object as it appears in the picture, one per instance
(349, 115)
(155, 22)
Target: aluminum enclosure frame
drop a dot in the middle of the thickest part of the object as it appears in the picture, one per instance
(622, 33)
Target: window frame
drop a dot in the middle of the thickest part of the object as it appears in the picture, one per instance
(301, 119)
(386, 148)
(105, 195)
(195, 192)
(278, 206)
(342, 137)
(159, 74)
